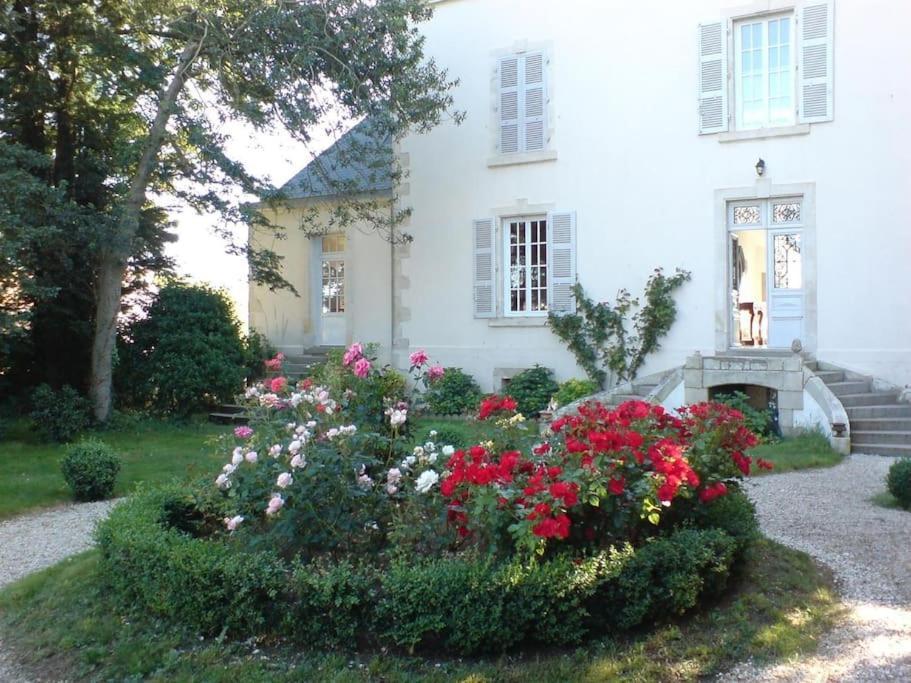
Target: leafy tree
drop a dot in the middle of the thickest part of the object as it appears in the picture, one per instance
(185, 354)
(171, 75)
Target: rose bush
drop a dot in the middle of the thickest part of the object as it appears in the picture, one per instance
(401, 540)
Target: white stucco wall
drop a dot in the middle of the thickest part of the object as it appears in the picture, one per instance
(812, 416)
(631, 164)
(287, 320)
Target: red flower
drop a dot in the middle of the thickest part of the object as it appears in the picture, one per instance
(565, 491)
(713, 491)
(616, 486)
(764, 464)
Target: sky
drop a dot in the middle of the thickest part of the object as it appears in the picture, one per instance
(199, 254)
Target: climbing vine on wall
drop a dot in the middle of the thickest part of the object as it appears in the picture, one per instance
(619, 336)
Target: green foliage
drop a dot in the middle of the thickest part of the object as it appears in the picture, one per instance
(574, 389)
(186, 354)
(455, 393)
(532, 389)
(666, 577)
(447, 435)
(207, 585)
(599, 334)
(90, 469)
(899, 481)
(465, 604)
(256, 350)
(757, 421)
(59, 415)
(734, 514)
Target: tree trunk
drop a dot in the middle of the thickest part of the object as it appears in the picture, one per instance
(115, 255)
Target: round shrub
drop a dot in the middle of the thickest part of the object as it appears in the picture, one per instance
(532, 390)
(455, 393)
(185, 355)
(59, 415)
(467, 604)
(899, 482)
(733, 513)
(574, 389)
(90, 469)
(447, 436)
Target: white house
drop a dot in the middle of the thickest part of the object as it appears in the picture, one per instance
(606, 138)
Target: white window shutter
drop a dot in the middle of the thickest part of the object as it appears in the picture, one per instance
(713, 78)
(509, 105)
(815, 61)
(533, 103)
(484, 277)
(561, 261)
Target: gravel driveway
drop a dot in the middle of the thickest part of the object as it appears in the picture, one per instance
(827, 514)
(33, 542)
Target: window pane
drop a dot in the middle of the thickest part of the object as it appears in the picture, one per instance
(786, 213)
(746, 215)
(788, 273)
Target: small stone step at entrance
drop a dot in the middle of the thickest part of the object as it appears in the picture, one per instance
(883, 437)
(868, 399)
(897, 410)
(876, 424)
(880, 424)
(223, 418)
(831, 376)
(891, 449)
(847, 388)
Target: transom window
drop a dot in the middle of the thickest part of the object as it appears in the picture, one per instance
(764, 58)
(527, 273)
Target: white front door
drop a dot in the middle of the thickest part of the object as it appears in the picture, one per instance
(333, 322)
(786, 300)
(765, 272)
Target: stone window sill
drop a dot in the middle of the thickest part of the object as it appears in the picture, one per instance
(532, 321)
(764, 133)
(522, 158)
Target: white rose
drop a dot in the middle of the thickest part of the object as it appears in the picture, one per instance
(284, 480)
(426, 481)
(294, 447)
(448, 451)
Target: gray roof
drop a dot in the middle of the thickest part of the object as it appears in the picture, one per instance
(359, 161)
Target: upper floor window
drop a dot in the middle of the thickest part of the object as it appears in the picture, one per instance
(767, 71)
(523, 103)
(764, 69)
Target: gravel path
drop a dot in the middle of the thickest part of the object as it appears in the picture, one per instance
(33, 542)
(827, 513)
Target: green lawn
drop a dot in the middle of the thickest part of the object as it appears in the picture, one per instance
(884, 499)
(151, 452)
(64, 625)
(800, 452)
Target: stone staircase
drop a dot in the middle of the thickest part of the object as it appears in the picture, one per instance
(880, 423)
(294, 368)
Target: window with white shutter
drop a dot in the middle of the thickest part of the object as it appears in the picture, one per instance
(562, 261)
(815, 62)
(523, 103)
(713, 86)
(539, 257)
(484, 295)
(781, 64)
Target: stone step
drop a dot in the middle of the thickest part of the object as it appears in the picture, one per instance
(882, 449)
(874, 412)
(623, 398)
(229, 408)
(228, 418)
(875, 424)
(849, 387)
(884, 438)
(829, 376)
(868, 399)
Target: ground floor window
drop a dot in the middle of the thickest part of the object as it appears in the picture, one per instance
(765, 267)
(526, 241)
(333, 274)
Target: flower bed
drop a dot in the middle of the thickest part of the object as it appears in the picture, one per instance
(332, 533)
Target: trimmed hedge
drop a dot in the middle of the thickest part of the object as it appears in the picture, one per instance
(463, 605)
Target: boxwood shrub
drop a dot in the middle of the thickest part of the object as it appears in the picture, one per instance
(462, 604)
(90, 469)
(899, 481)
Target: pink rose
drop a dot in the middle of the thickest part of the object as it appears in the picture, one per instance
(418, 358)
(354, 353)
(278, 384)
(284, 480)
(251, 457)
(435, 372)
(231, 523)
(275, 504)
(362, 367)
(243, 432)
